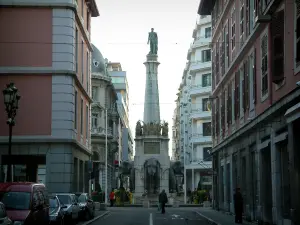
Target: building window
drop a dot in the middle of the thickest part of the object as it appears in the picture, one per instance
(82, 61)
(207, 32)
(81, 117)
(82, 8)
(207, 154)
(87, 20)
(75, 111)
(118, 80)
(87, 71)
(95, 117)
(242, 22)
(297, 33)
(87, 122)
(233, 29)
(76, 50)
(277, 29)
(227, 49)
(94, 93)
(264, 65)
(205, 104)
(206, 55)
(207, 129)
(206, 80)
(241, 90)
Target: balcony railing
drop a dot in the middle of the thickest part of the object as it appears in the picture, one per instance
(101, 131)
(200, 65)
(199, 138)
(199, 89)
(201, 41)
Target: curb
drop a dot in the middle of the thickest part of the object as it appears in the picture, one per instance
(211, 221)
(96, 218)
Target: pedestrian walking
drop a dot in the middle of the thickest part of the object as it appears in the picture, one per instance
(238, 206)
(112, 198)
(163, 200)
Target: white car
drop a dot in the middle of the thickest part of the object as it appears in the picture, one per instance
(71, 206)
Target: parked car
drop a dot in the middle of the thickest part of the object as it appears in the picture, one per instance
(56, 212)
(4, 220)
(87, 206)
(25, 203)
(72, 208)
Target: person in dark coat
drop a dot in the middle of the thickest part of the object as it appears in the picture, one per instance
(238, 206)
(163, 200)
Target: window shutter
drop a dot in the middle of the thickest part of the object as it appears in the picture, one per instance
(277, 30)
(247, 18)
(254, 76)
(222, 112)
(246, 85)
(237, 95)
(243, 88)
(217, 116)
(213, 119)
(230, 103)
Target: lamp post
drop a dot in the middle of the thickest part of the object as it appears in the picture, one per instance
(106, 155)
(11, 100)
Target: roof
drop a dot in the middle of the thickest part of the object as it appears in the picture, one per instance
(205, 7)
(93, 7)
(98, 62)
(17, 186)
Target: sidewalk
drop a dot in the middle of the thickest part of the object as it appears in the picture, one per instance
(218, 217)
(98, 214)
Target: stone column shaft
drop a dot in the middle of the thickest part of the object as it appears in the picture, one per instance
(151, 105)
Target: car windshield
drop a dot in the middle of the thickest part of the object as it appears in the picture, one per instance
(64, 199)
(15, 200)
(53, 203)
(82, 198)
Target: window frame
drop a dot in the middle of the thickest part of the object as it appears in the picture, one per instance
(264, 74)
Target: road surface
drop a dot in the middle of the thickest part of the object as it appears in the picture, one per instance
(142, 216)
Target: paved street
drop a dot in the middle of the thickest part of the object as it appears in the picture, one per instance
(141, 216)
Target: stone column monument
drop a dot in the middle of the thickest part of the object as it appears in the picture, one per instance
(151, 161)
(151, 105)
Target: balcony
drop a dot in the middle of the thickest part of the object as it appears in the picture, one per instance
(198, 113)
(199, 66)
(201, 42)
(189, 52)
(100, 131)
(199, 90)
(204, 20)
(200, 139)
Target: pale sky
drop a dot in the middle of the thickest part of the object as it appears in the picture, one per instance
(121, 34)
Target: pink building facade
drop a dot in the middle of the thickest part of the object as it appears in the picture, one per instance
(255, 104)
(46, 51)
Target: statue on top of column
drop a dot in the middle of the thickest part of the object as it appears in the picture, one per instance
(153, 40)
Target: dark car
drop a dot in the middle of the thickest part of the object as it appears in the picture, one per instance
(56, 211)
(4, 220)
(87, 206)
(25, 203)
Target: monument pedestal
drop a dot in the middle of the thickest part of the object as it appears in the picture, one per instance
(151, 147)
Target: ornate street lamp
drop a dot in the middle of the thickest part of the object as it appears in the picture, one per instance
(11, 101)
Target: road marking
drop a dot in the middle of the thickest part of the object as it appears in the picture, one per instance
(150, 219)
